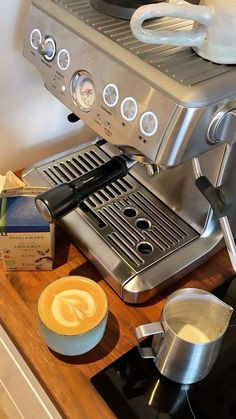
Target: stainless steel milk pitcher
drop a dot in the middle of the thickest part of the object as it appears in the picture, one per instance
(187, 340)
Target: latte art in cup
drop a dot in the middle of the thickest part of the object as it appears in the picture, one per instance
(73, 308)
(76, 308)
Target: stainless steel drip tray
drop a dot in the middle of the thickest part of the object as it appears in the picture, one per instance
(135, 223)
(123, 228)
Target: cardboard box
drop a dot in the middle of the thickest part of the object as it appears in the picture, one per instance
(26, 239)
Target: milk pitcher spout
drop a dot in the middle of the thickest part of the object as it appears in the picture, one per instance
(187, 340)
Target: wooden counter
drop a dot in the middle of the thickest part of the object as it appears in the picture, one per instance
(67, 380)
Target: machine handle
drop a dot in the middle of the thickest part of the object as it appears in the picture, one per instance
(218, 197)
(146, 330)
(59, 201)
(220, 202)
(229, 240)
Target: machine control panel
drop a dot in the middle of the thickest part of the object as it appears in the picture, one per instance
(114, 102)
(47, 48)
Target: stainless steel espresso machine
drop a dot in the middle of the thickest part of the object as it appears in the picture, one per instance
(170, 113)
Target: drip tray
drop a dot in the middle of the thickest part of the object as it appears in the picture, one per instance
(123, 228)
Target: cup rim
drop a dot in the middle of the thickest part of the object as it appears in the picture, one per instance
(76, 334)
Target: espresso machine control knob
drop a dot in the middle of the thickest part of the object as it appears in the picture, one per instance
(148, 123)
(223, 126)
(47, 49)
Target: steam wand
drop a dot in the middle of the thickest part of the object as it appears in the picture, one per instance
(220, 202)
(64, 198)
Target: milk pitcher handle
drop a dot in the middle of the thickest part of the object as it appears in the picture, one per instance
(145, 330)
(201, 14)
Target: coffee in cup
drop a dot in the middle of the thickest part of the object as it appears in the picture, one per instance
(72, 313)
(213, 33)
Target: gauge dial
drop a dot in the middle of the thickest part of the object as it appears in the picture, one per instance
(83, 91)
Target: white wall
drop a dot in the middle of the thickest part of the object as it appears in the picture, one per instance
(33, 123)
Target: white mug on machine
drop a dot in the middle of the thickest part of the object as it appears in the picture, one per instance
(213, 34)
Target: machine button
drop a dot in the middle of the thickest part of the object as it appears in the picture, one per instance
(129, 109)
(148, 123)
(47, 49)
(35, 38)
(225, 129)
(110, 95)
(63, 59)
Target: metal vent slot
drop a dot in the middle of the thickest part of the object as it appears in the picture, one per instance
(98, 198)
(122, 185)
(197, 70)
(52, 179)
(120, 204)
(85, 161)
(95, 162)
(80, 165)
(67, 172)
(137, 47)
(97, 158)
(61, 173)
(168, 235)
(151, 237)
(93, 201)
(114, 218)
(71, 168)
(160, 238)
(104, 196)
(168, 56)
(115, 189)
(158, 216)
(127, 253)
(110, 193)
(127, 184)
(92, 216)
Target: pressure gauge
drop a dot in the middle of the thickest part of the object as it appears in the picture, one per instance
(83, 91)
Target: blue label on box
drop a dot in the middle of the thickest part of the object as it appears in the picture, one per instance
(19, 214)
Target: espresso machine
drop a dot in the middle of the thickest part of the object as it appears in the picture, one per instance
(165, 116)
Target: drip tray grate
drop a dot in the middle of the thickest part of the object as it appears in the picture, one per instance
(131, 220)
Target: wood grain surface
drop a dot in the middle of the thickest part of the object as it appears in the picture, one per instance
(67, 379)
